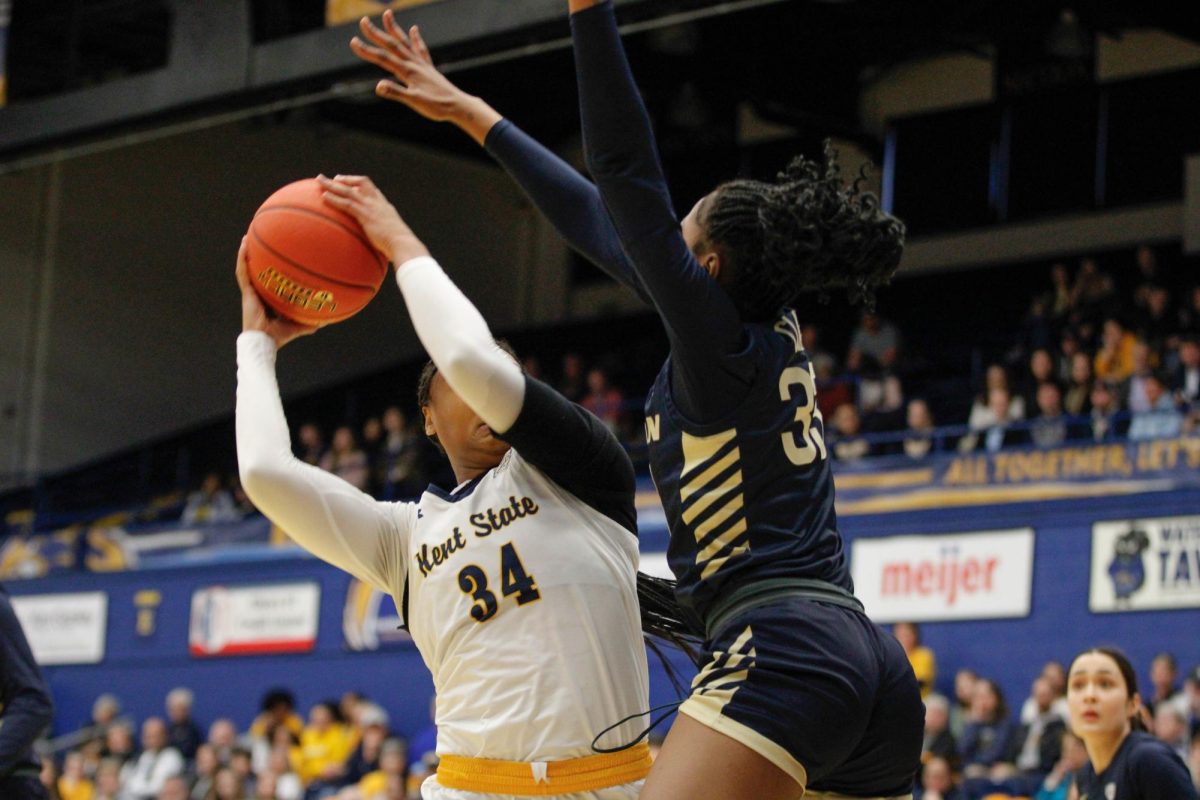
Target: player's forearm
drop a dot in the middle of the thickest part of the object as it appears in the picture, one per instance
(475, 117)
(458, 340)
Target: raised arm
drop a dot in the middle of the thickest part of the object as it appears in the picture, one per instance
(566, 198)
(565, 441)
(321, 512)
(619, 144)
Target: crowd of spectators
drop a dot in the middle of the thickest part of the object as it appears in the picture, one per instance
(976, 743)
(1092, 361)
(346, 750)
(977, 746)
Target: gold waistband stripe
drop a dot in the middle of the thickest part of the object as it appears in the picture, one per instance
(544, 778)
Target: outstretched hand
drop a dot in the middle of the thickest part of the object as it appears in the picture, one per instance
(419, 85)
(361, 199)
(254, 312)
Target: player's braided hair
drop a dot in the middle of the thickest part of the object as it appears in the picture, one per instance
(807, 231)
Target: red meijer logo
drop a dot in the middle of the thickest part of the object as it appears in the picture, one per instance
(950, 576)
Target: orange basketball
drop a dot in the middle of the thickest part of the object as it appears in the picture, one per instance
(310, 261)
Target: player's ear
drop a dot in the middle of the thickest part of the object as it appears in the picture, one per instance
(430, 428)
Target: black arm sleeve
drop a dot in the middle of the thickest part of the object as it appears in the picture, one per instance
(707, 336)
(27, 710)
(566, 198)
(576, 451)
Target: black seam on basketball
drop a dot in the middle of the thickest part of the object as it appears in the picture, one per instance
(306, 270)
(366, 242)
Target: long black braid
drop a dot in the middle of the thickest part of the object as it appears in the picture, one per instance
(807, 231)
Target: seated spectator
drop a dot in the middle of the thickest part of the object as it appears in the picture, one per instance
(1001, 433)
(1171, 728)
(874, 337)
(373, 723)
(1107, 425)
(938, 741)
(1155, 322)
(372, 446)
(1093, 289)
(822, 360)
(1041, 370)
(1055, 676)
(288, 785)
(184, 733)
(1059, 297)
(174, 788)
(937, 782)
(1149, 274)
(919, 441)
(846, 442)
(222, 736)
(227, 786)
(1164, 681)
(310, 444)
(1039, 744)
(325, 745)
(1057, 785)
(392, 761)
(987, 739)
(105, 711)
(982, 414)
(265, 787)
(108, 780)
(921, 658)
(241, 762)
(571, 383)
(118, 742)
(1077, 401)
(603, 399)
(1136, 399)
(1114, 359)
(73, 784)
(1049, 428)
(346, 459)
(1190, 702)
(205, 769)
(144, 777)
(1189, 314)
(210, 503)
(964, 690)
(1163, 420)
(880, 399)
(1185, 380)
(402, 473)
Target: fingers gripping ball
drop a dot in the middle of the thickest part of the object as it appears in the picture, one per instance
(311, 262)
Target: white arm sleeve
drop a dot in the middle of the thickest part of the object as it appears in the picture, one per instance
(460, 344)
(322, 513)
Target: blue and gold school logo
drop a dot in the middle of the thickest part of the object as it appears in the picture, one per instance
(1127, 570)
(370, 620)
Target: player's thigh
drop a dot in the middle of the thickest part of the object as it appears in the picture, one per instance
(697, 762)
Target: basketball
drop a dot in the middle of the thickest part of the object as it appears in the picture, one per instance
(310, 262)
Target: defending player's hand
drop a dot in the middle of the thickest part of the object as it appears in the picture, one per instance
(254, 313)
(361, 199)
(419, 85)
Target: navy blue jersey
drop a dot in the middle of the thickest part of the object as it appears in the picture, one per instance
(736, 442)
(750, 495)
(1143, 768)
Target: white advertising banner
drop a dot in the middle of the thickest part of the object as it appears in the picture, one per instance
(985, 575)
(250, 620)
(1145, 564)
(64, 628)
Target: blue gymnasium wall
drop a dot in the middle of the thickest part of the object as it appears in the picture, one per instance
(142, 670)
(1012, 651)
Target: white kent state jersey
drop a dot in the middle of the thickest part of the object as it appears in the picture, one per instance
(521, 596)
(522, 600)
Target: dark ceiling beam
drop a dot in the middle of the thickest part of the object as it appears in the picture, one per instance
(213, 62)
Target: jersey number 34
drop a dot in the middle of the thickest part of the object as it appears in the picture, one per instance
(513, 580)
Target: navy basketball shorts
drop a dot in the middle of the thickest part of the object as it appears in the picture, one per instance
(818, 690)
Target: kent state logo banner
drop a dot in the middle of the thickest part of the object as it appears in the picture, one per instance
(1145, 564)
(338, 12)
(370, 620)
